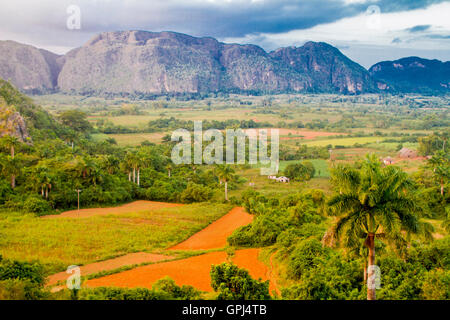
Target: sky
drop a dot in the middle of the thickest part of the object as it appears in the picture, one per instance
(367, 31)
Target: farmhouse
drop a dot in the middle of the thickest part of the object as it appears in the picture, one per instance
(388, 161)
(406, 153)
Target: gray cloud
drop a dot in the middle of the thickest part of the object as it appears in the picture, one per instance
(419, 28)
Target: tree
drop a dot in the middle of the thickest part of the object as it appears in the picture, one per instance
(375, 203)
(234, 283)
(169, 169)
(12, 166)
(225, 173)
(300, 171)
(440, 165)
(75, 119)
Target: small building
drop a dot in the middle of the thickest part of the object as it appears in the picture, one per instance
(388, 161)
(272, 177)
(406, 153)
(283, 179)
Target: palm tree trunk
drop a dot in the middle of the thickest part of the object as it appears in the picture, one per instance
(226, 190)
(46, 193)
(442, 187)
(134, 175)
(129, 176)
(13, 181)
(42, 192)
(371, 290)
(365, 272)
(12, 152)
(169, 173)
(138, 176)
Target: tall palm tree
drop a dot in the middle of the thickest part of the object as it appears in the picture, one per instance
(225, 173)
(169, 169)
(11, 143)
(440, 165)
(12, 167)
(374, 202)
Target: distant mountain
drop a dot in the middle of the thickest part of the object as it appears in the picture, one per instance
(414, 75)
(168, 62)
(142, 62)
(29, 68)
(328, 69)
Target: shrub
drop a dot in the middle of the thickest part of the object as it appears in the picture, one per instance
(36, 205)
(195, 193)
(233, 283)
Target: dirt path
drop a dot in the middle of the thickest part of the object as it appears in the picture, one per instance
(215, 235)
(136, 206)
(192, 271)
(111, 264)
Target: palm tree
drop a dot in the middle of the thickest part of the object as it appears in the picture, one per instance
(440, 165)
(42, 178)
(11, 166)
(225, 173)
(374, 202)
(169, 168)
(11, 143)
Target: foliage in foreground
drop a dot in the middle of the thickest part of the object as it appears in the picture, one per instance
(233, 283)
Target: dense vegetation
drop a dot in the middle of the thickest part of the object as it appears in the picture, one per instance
(322, 230)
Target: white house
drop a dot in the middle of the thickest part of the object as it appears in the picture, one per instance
(283, 179)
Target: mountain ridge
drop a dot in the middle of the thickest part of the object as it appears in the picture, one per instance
(157, 63)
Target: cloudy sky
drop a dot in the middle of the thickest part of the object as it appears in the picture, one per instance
(367, 31)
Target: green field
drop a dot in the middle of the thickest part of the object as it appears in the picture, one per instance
(66, 241)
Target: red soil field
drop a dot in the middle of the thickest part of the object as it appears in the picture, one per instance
(111, 264)
(136, 206)
(192, 271)
(215, 235)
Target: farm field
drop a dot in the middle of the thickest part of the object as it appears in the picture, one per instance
(67, 241)
(195, 271)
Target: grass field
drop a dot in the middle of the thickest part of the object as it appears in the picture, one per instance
(131, 139)
(66, 241)
(344, 141)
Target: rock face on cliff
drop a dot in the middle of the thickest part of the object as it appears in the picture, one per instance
(328, 69)
(414, 75)
(141, 62)
(13, 124)
(168, 62)
(29, 68)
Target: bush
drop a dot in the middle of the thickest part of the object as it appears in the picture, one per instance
(32, 271)
(233, 283)
(37, 205)
(436, 285)
(163, 289)
(195, 193)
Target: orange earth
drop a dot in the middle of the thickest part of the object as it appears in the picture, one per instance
(192, 271)
(215, 235)
(136, 206)
(111, 264)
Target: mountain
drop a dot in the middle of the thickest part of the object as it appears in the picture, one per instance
(142, 62)
(30, 69)
(414, 75)
(168, 62)
(328, 69)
